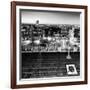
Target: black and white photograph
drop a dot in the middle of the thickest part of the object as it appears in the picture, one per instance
(49, 42)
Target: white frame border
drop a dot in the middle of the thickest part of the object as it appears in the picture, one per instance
(55, 79)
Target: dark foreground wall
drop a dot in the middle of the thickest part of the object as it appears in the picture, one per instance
(37, 65)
